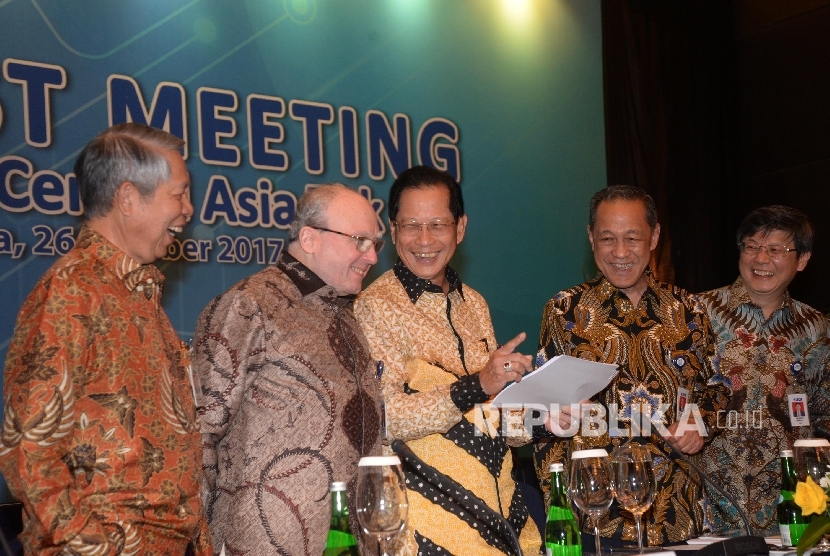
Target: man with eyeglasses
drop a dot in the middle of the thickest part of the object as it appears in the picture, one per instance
(434, 342)
(291, 402)
(773, 350)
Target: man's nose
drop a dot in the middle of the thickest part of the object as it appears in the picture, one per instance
(620, 250)
(187, 209)
(371, 256)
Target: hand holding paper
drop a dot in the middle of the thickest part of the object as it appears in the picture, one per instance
(563, 380)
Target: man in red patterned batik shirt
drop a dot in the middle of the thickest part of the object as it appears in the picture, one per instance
(100, 439)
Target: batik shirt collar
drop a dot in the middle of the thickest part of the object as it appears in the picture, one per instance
(739, 296)
(611, 290)
(307, 282)
(136, 276)
(415, 286)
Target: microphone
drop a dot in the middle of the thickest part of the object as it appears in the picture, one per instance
(738, 546)
(451, 489)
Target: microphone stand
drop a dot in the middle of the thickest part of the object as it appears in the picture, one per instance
(451, 489)
(738, 546)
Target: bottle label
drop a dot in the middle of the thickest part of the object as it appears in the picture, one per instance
(339, 539)
(791, 534)
(786, 540)
(557, 513)
(560, 550)
(797, 531)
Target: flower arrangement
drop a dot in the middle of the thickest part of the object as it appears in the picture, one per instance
(812, 498)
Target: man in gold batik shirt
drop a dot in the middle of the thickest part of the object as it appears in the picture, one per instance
(659, 337)
(434, 338)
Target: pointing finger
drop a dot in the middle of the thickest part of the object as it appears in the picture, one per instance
(510, 346)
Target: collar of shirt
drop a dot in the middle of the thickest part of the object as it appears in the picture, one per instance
(415, 286)
(142, 277)
(613, 292)
(307, 282)
(739, 296)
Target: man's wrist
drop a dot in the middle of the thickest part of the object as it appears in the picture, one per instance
(466, 392)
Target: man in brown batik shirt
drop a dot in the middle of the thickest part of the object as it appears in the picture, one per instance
(291, 397)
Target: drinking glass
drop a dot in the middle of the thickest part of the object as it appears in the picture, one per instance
(381, 497)
(633, 482)
(590, 485)
(812, 458)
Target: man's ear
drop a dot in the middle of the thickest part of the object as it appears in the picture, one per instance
(308, 239)
(126, 198)
(460, 229)
(802, 261)
(655, 237)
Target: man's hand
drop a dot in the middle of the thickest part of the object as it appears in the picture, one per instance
(690, 442)
(505, 365)
(565, 418)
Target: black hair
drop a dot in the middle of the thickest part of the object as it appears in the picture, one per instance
(778, 217)
(423, 177)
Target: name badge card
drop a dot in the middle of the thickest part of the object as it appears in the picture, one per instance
(682, 392)
(682, 400)
(797, 408)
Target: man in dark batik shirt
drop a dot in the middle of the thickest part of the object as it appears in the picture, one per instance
(659, 337)
(771, 348)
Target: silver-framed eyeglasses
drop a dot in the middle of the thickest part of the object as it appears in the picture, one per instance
(774, 251)
(363, 243)
(436, 227)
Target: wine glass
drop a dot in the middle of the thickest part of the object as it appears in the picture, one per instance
(633, 481)
(381, 497)
(812, 459)
(590, 485)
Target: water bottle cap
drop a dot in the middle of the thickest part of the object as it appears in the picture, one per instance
(372, 461)
(337, 486)
(593, 453)
(811, 442)
(786, 453)
(556, 467)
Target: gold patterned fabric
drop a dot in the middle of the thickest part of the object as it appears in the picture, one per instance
(431, 346)
(659, 345)
(763, 361)
(100, 437)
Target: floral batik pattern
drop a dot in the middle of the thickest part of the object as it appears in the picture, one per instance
(763, 360)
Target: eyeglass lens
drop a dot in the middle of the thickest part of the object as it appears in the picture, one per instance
(437, 227)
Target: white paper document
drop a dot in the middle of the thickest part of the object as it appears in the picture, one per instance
(562, 380)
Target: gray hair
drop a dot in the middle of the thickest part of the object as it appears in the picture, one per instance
(130, 152)
(312, 206)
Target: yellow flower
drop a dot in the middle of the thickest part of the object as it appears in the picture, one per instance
(810, 497)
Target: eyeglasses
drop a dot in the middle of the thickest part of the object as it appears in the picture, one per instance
(774, 251)
(363, 243)
(436, 227)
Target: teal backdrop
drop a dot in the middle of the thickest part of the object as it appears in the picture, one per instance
(275, 95)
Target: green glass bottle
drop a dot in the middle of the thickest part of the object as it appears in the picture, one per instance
(562, 536)
(791, 522)
(340, 541)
